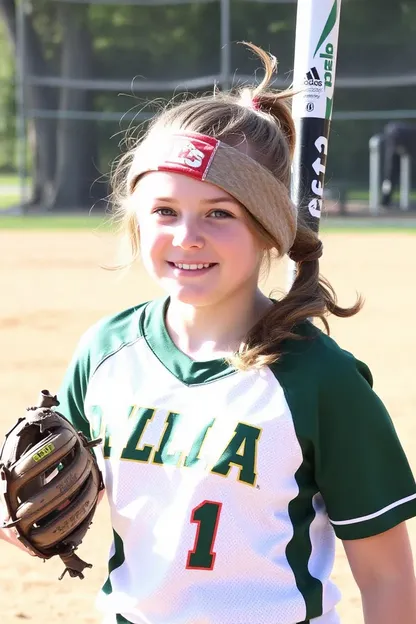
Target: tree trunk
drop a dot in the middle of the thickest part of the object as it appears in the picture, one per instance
(76, 140)
(42, 132)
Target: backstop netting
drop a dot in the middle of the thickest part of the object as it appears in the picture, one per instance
(89, 71)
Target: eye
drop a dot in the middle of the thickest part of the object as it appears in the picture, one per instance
(164, 212)
(221, 214)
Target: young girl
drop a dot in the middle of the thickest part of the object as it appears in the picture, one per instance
(239, 439)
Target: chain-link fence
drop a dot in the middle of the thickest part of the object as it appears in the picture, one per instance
(89, 70)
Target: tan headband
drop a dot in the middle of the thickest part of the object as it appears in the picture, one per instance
(210, 160)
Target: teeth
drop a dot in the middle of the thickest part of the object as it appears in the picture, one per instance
(191, 267)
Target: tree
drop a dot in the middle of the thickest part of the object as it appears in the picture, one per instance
(63, 167)
(76, 147)
(43, 133)
(131, 43)
(7, 106)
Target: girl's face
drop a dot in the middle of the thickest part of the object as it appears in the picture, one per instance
(195, 240)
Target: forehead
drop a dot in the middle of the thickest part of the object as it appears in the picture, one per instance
(178, 186)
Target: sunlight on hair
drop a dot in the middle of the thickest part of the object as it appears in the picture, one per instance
(266, 132)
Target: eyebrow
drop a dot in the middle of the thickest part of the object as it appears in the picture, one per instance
(214, 200)
(220, 200)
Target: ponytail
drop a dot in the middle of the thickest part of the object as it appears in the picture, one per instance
(272, 103)
(258, 121)
(311, 296)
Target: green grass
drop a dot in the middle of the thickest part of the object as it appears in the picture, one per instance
(56, 222)
(360, 194)
(363, 195)
(11, 179)
(8, 200)
(369, 229)
(101, 222)
(354, 194)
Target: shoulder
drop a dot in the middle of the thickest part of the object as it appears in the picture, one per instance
(316, 351)
(319, 366)
(329, 393)
(110, 334)
(100, 342)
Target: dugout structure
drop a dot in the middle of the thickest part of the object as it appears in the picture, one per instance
(86, 71)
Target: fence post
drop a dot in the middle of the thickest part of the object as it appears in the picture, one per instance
(21, 9)
(374, 195)
(225, 44)
(405, 176)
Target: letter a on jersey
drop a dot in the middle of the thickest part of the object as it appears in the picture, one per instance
(241, 451)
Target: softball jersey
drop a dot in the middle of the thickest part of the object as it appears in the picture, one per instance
(227, 488)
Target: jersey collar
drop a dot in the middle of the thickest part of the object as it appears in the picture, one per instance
(188, 371)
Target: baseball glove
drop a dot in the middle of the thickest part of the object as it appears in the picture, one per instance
(49, 483)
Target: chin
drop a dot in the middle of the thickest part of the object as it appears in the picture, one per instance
(193, 298)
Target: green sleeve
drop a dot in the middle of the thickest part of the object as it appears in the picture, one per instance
(100, 341)
(73, 389)
(361, 469)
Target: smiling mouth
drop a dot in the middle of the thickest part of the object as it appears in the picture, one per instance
(192, 267)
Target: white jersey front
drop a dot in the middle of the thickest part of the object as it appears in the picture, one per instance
(227, 487)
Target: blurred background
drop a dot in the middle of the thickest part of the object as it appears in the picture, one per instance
(76, 74)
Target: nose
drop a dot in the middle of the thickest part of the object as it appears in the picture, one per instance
(188, 235)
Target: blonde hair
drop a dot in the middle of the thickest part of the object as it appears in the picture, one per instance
(261, 119)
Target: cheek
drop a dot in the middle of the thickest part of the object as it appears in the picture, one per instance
(242, 249)
(152, 241)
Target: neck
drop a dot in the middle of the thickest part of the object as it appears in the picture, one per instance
(214, 331)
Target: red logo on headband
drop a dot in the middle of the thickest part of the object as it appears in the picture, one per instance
(189, 153)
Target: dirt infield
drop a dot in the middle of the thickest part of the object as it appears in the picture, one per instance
(52, 288)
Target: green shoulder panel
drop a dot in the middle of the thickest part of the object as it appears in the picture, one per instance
(99, 342)
(298, 378)
(347, 436)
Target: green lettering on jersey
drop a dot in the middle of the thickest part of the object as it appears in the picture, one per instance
(162, 455)
(241, 451)
(99, 429)
(192, 459)
(132, 450)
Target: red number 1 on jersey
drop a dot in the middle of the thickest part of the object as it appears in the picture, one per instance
(207, 516)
